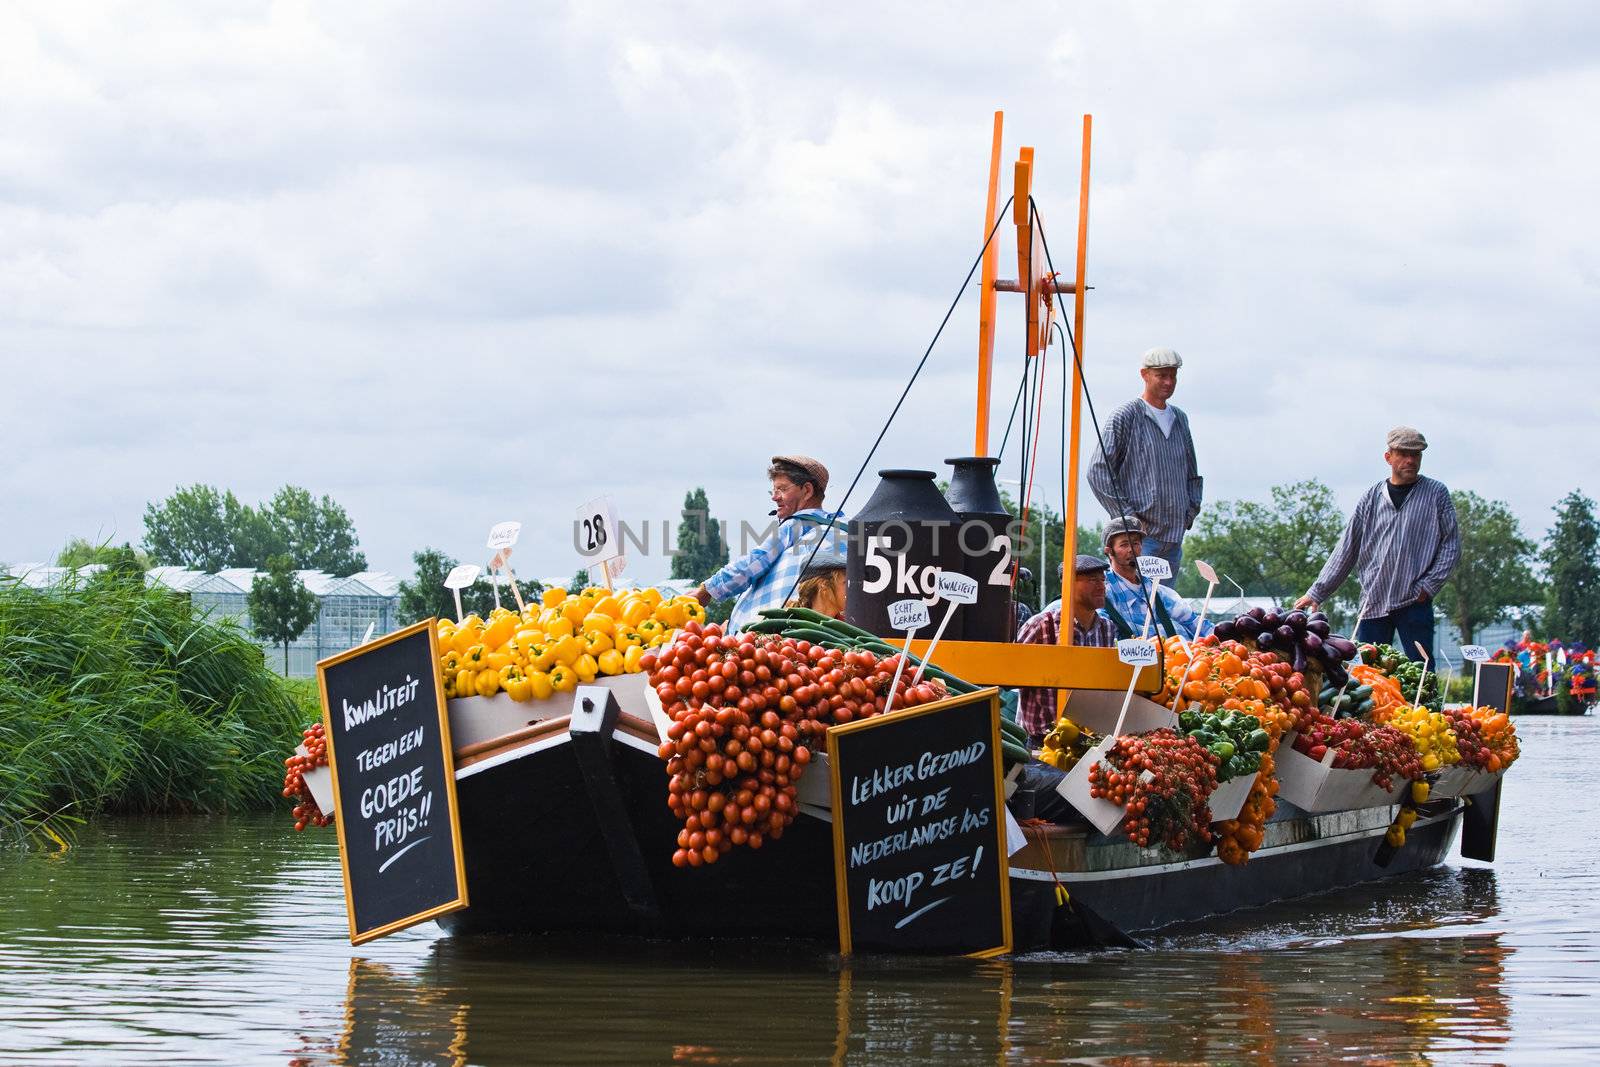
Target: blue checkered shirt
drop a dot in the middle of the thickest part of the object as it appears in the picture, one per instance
(1128, 598)
(765, 576)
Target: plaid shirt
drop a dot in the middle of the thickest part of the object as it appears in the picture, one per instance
(1036, 711)
(1128, 600)
(764, 577)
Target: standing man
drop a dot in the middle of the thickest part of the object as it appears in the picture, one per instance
(764, 576)
(1402, 542)
(1146, 469)
(1128, 597)
(1036, 711)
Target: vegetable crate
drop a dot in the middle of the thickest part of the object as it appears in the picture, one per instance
(1459, 781)
(1227, 800)
(1097, 710)
(1074, 789)
(1320, 786)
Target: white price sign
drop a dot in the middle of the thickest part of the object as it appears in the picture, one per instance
(504, 534)
(907, 615)
(1474, 653)
(1137, 651)
(462, 576)
(958, 588)
(1155, 567)
(1207, 571)
(595, 531)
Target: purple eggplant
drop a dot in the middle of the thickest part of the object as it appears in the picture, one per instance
(1312, 642)
(1271, 620)
(1345, 647)
(1224, 630)
(1258, 613)
(1266, 638)
(1298, 620)
(1286, 635)
(1299, 658)
(1319, 616)
(1247, 625)
(1319, 627)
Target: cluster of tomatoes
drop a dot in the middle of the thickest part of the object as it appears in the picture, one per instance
(306, 812)
(1162, 779)
(1356, 745)
(747, 712)
(1485, 737)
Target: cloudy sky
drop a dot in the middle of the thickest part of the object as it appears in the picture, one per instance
(458, 263)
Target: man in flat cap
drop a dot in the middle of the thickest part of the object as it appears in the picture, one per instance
(764, 576)
(1036, 711)
(1402, 542)
(1146, 469)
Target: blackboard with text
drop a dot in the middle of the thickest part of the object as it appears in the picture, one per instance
(394, 782)
(919, 830)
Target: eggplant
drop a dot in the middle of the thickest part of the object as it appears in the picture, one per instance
(1319, 627)
(1287, 635)
(1319, 616)
(1312, 642)
(1271, 620)
(1345, 647)
(1266, 638)
(1298, 620)
(1247, 625)
(1299, 658)
(1258, 613)
(1225, 630)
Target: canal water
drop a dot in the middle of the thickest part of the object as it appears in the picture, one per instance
(224, 941)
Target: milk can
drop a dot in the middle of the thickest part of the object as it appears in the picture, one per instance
(984, 547)
(899, 542)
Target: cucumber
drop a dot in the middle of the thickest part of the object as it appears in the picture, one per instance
(1013, 753)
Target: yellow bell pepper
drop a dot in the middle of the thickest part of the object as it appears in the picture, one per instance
(626, 637)
(671, 614)
(552, 596)
(611, 662)
(631, 658)
(450, 661)
(540, 685)
(695, 610)
(500, 630)
(635, 610)
(609, 606)
(465, 637)
(1419, 792)
(487, 683)
(541, 657)
(574, 610)
(497, 661)
(562, 680)
(475, 657)
(558, 628)
(530, 635)
(596, 623)
(586, 668)
(596, 643)
(661, 638)
(650, 627)
(515, 683)
(567, 650)
(464, 683)
(651, 596)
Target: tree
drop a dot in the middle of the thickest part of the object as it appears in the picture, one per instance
(281, 607)
(1495, 573)
(1274, 549)
(1572, 569)
(427, 598)
(80, 553)
(579, 581)
(188, 530)
(317, 534)
(199, 526)
(701, 549)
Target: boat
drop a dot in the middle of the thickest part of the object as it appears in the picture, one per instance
(564, 826)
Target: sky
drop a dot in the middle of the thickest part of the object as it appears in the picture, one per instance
(457, 264)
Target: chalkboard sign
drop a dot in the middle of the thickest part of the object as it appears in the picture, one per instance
(394, 782)
(919, 836)
(1492, 687)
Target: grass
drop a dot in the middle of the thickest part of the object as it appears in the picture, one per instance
(114, 698)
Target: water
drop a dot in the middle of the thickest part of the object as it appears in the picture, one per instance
(224, 941)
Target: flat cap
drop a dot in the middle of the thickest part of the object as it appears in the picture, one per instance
(1120, 526)
(1407, 438)
(1089, 564)
(813, 468)
(1160, 357)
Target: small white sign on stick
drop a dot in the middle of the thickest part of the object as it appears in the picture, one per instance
(597, 537)
(1423, 677)
(908, 616)
(1136, 652)
(1154, 567)
(503, 535)
(955, 589)
(457, 580)
(1474, 653)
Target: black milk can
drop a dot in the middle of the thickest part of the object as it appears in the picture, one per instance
(984, 545)
(900, 541)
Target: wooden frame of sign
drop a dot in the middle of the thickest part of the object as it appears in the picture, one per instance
(1501, 701)
(359, 935)
(920, 808)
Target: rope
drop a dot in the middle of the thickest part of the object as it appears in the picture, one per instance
(999, 218)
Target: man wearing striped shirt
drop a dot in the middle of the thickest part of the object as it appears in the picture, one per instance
(1146, 469)
(1402, 542)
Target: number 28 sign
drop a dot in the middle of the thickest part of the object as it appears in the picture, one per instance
(595, 531)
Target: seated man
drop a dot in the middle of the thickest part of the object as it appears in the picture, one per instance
(1036, 711)
(1127, 599)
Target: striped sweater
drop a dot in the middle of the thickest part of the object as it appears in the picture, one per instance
(1155, 473)
(1395, 553)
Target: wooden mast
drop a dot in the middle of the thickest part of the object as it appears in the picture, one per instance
(1069, 542)
(986, 295)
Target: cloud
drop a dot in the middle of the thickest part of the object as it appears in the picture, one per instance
(455, 265)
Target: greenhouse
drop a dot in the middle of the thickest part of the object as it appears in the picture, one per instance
(346, 606)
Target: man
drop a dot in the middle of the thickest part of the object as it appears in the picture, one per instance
(765, 576)
(1128, 593)
(1147, 469)
(1402, 542)
(1036, 711)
